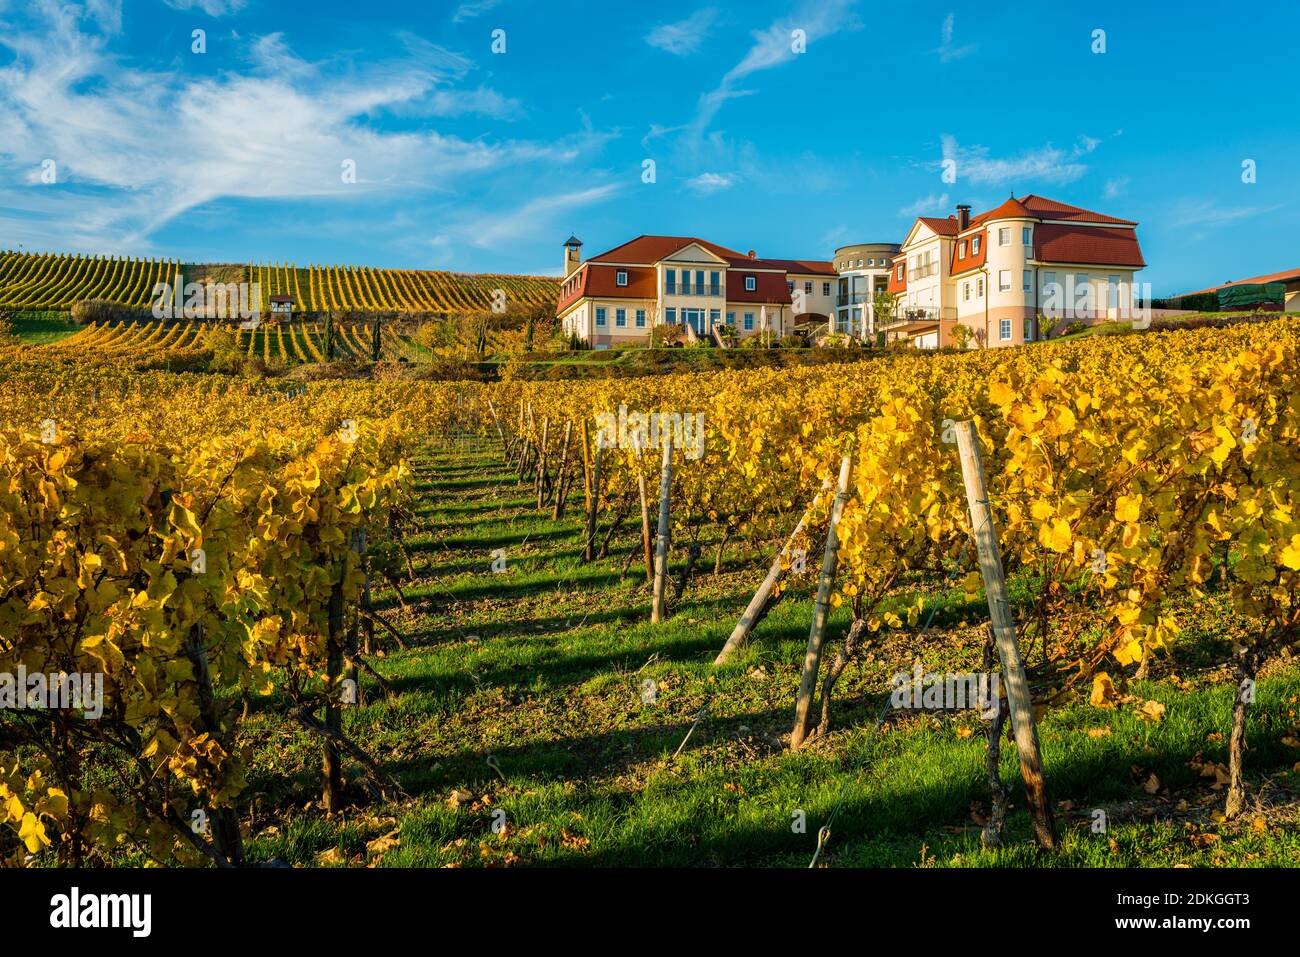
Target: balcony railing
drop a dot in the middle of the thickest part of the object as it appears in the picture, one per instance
(908, 314)
(855, 299)
(922, 271)
(692, 289)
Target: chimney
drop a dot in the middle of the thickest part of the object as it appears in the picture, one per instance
(752, 254)
(963, 216)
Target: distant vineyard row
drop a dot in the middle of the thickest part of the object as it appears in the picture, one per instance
(46, 281)
(288, 343)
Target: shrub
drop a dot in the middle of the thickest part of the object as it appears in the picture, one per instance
(99, 310)
(1072, 327)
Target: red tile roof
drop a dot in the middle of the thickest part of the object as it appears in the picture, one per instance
(804, 267)
(593, 279)
(651, 249)
(895, 283)
(1093, 245)
(1045, 208)
(647, 250)
(1286, 275)
(770, 287)
(944, 227)
(1009, 209)
(972, 260)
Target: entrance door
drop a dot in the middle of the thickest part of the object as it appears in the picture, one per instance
(694, 318)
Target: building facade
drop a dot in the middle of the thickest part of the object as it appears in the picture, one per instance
(617, 298)
(862, 271)
(998, 272)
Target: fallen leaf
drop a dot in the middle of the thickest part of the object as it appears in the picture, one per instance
(1152, 785)
(384, 842)
(1152, 711)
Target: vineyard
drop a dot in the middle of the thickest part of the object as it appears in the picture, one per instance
(460, 624)
(39, 281)
(280, 342)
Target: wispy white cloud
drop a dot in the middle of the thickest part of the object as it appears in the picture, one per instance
(707, 183)
(1048, 164)
(213, 8)
(534, 218)
(1200, 216)
(947, 52)
(137, 147)
(773, 47)
(685, 36)
(1115, 187)
(473, 8)
(926, 204)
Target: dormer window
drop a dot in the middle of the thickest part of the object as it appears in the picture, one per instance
(620, 277)
(975, 246)
(961, 249)
(900, 271)
(750, 284)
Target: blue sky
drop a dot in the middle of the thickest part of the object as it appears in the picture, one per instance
(478, 161)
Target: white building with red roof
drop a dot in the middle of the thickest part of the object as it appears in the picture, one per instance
(616, 298)
(997, 272)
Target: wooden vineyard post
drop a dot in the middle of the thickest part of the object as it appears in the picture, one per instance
(659, 610)
(821, 610)
(332, 795)
(1004, 635)
(593, 503)
(757, 604)
(645, 509)
(543, 478)
(562, 480)
(505, 446)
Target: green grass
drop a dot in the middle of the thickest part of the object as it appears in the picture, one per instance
(39, 327)
(542, 667)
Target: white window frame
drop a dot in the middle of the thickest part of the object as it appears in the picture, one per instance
(975, 246)
(620, 318)
(751, 283)
(620, 278)
(961, 249)
(640, 318)
(1004, 280)
(749, 322)
(965, 291)
(1004, 330)
(979, 288)
(600, 316)
(1004, 235)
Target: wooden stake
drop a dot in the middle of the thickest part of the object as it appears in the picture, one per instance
(593, 501)
(562, 480)
(659, 609)
(821, 611)
(1004, 635)
(543, 480)
(645, 509)
(754, 610)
